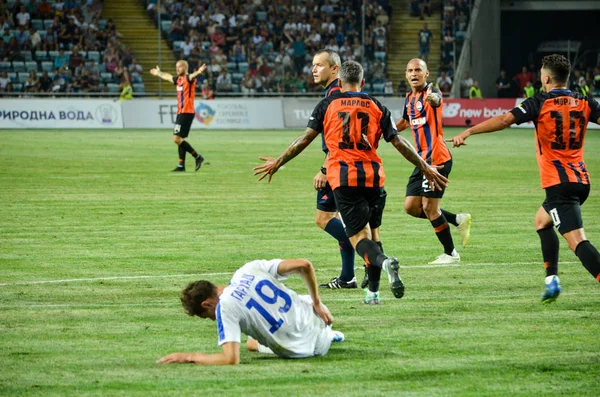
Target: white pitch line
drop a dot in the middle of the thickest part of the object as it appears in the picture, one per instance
(75, 280)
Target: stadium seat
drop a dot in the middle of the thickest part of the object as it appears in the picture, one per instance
(232, 67)
(26, 55)
(52, 55)
(243, 67)
(261, 15)
(42, 34)
(23, 77)
(83, 54)
(378, 88)
(12, 76)
(236, 78)
(139, 88)
(177, 44)
(165, 26)
(48, 66)
(41, 55)
(31, 65)
(47, 23)
(112, 87)
(94, 55)
(37, 24)
(17, 87)
(106, 77)
(5, 66)
(102, 67)
(6, 38)
(102, 24)
(205, 45)
(236, 88)
(18, 66)
(380, 56)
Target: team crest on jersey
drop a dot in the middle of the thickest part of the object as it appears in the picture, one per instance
(205, 114)
(419, 106)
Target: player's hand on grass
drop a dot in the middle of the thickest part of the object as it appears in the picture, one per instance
(436, 180)
(175, 358)
(323, 312)
(320, 181)
(460, 139)
(268, 168)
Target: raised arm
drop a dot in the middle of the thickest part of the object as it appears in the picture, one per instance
(229, 356)
(271, 165)
(198, 72)
(430, 172)
(165, 76)
(307, 272)
(494, 124)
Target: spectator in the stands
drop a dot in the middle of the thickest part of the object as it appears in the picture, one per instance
(23, 17)
(388, 86)
(176, 33)
(224, 81)
(76, 58)
(444, 82)
(425, 36)
(186, 47)
(60, 59)
(466, 85)
(45, 82)
(503, 86)
(475, 91)
(522, 79)
(529, 90)
(44, 10)
(4, 81)
(135, 71)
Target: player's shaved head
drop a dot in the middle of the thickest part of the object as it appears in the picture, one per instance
(421, 63)
(181, 67)
(351, 73)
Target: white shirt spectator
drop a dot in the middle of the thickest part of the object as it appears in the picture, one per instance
(444, 80)
(23, 18)
(217, 17)
(187, 47)
(315, 38)
(289, 26)
(4, 81)
(193, 21)
(328, 27)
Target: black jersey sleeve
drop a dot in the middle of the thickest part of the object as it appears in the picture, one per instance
(528, 110)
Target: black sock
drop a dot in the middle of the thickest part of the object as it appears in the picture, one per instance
(589, 257)
(370, 252)
(181, 150)
(374, 274)
(442, 231)
(550, 246)
(188, 148)
(450, 217)
(423, 216)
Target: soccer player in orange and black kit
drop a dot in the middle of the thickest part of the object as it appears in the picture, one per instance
(326, 64)
(560, 117)
(423, 114)
(186, 92)
(353, 123)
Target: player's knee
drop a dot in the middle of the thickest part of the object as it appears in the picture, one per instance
(430, 209)
(412, 210)
(322, 218)
(177, 139)
(252, 345)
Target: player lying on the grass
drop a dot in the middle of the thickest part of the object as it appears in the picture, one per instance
(257, 304)
(560, 117)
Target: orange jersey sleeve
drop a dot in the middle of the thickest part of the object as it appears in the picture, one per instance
(186, 93)
(426, 125)
(560, 118)
(352, 124)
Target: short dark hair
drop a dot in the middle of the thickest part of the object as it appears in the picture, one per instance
(558, 66)
(351, 72)
(194, 294)
(332, 57)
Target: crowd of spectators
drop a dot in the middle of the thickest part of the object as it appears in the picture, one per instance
(258, 46)
(61, 46)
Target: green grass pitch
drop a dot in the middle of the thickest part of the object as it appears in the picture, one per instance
(97, 238)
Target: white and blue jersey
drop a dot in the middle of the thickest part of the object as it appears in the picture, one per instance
(257, 304)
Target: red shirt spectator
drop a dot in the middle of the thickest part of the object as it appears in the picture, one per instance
(523, 78)
(218, 37)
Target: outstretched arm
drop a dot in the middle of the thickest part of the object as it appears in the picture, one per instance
(307, 272)
(165, 76)
(430, 172)
(198, 72)
(272, 165)
(494, 124)
(229, 356)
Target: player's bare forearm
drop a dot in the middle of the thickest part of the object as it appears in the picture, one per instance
(408, 151)
(402, 124)
(229, 356)
(494, 124)
(165, 76)
(297, 146)
(198, 72)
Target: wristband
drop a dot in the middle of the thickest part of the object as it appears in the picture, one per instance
(324, 170)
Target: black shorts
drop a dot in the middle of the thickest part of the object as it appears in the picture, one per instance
(563, 203)
(183, 123)
(360, 206)
(418, 185)
(325, 199)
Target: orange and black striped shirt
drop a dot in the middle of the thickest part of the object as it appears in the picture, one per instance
(426, 125)
(352, 124)
(560, 118)
(186, 93)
